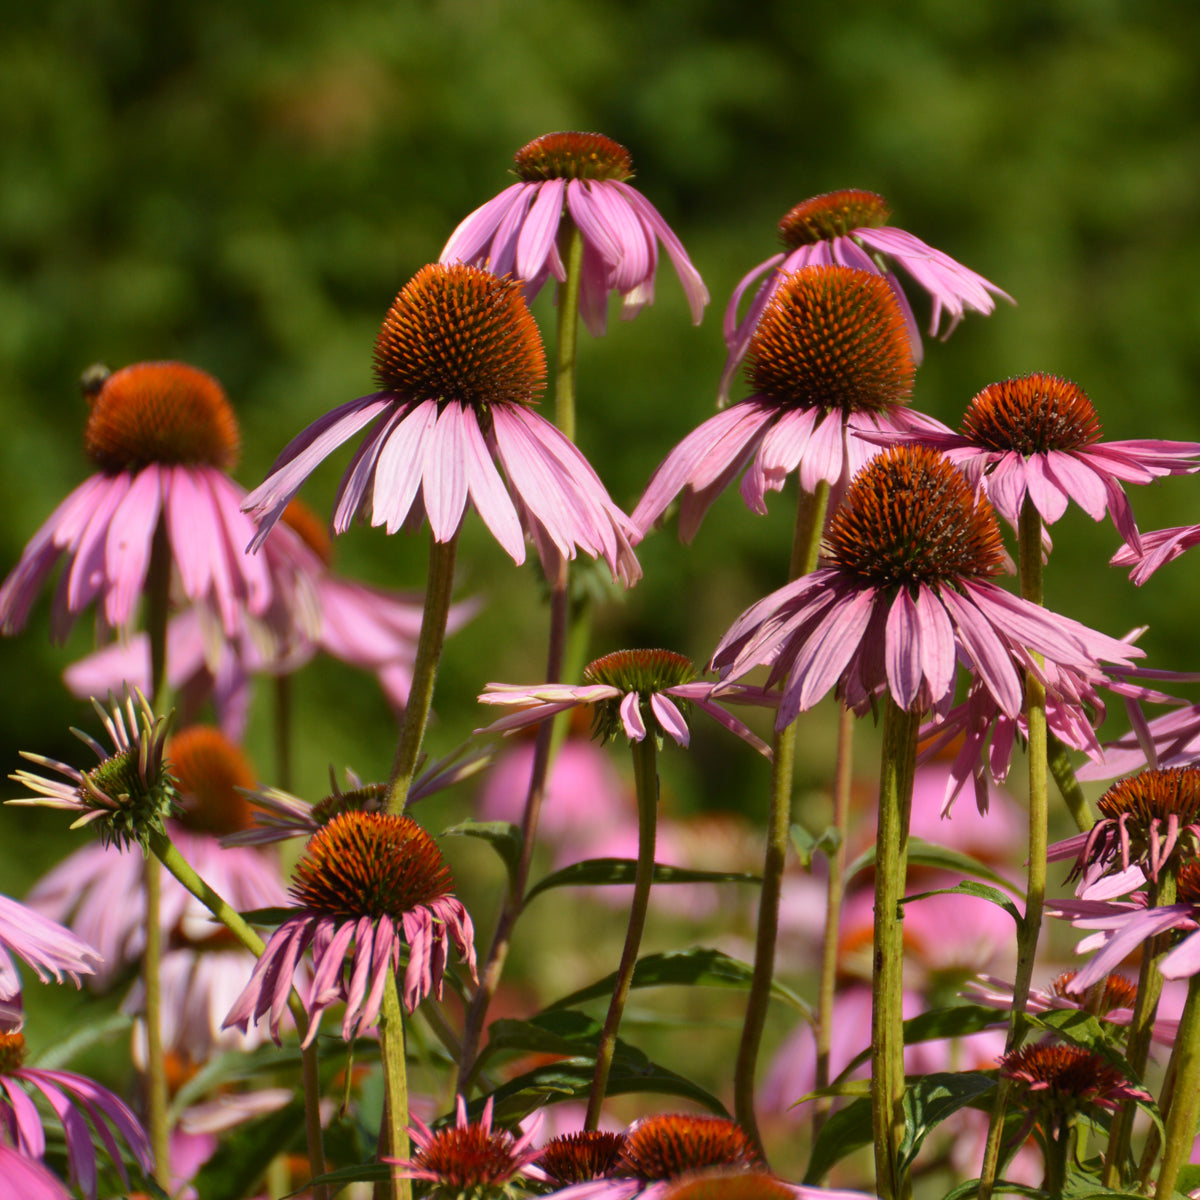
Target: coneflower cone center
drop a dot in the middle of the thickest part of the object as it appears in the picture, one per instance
(832, 338)
(580, 1157)
(161, 412)
(1187, 884)
(368, 798)
(909, 517)
(459, 333)
(1032, 414)
(1152, 797)
(832, 214)
(119, 778)
(755, 1185)
(1071, 1073)
(211, 773)
(468, 1157)
(1118, 992)
(12, 1052)
(642, 671)
(573, 156)
(370, 865)
(669, 1146)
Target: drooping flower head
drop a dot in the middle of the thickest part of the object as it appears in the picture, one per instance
(129, 793)
(1063, 1080)
(79, 1103)
(582, 1156)
(369, 884)
(469, 1160)
(830, 358)
(580, 179)
(850, 228)
(1038, 436)
(635, 692)
(163, 437)
(460, 363)
(903, 597)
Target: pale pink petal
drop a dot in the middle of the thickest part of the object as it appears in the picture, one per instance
(401, 465)
(127, 548)
(670, 718)
(631, 717)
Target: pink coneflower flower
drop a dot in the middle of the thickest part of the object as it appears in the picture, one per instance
(461, 363)
(1156, 549)
(634, 692)
(26, 1177)
(376, 882)
(579, 1157)
(77, 1101)
(903, 597)
(163, 436)
(469, 1159)
(848, 228)
(579, 177)
(1172, 740)
(829, 359)
(1062, 1080)
(1038, 436)
(51, 950)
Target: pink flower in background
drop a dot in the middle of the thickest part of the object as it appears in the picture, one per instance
(376, 882)
(461, 363)
(580, 178)
(163, 436)
(903, 600)
(848, 228)
(829, 359)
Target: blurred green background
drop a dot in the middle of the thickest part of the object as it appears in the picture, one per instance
(246, 187)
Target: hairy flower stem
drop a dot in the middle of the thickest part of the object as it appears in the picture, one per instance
(439, 587)
(1180, 1118)
(834, 889)
(551, 734)
(1030, 554)
(1141, 1027)
(395, 1082)
(645, 771)
(167, 853)
(896, 771)
(810, 521)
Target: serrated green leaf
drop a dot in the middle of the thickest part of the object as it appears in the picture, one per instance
(845, 1131)
(930, 1099)
(601, 872)
(503, 836)
(969, 887)
(807, 844)
(699, 966)
(929, 854)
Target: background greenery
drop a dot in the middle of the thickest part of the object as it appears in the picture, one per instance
(246, 186)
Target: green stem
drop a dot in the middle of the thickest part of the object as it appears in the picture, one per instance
(1180, 1119)
(439, 587)
(645, 773)
(806, 540)
(1056, 1156)
(896, 771)
(395, 1079)
(1059, 762)
(568, 327)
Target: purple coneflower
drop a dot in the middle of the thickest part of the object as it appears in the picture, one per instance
(77, 1101)
(903, 597)
(374, 881)
(848, 228)
(633, 692)
(1038, 436)
(830, 358)
(582, 177)
(469, 1159)
(1156, 549)
(26, 1177)
(51, 950)
(163, 437)
(460, 363)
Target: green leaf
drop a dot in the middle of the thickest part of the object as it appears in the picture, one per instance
(503, 836)
(807, 845)
(61, 1053)
(243, 1154)
(268, 916)
(699, 966)
(970, 888)
(593, 872)
(928, 854)
(930, 1099)
(845, 1131)
(1189, 1179)
(563, 1031)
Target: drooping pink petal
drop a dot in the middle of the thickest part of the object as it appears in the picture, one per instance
(631, 717)
(670, 718)
(127, 548)
(401, 466)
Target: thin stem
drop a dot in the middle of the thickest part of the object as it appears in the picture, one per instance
(1180, 1119)
(1059, 762)
(896, 772)
(834, 888)
(810, 520)
(439, 588)
(568, 327)
(1057, 1155)
(645, 771)
(395, 1081)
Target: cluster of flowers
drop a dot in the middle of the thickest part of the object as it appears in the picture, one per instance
(891, 604)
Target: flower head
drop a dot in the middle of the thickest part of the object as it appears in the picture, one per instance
(77, 1101)
(903, 597)
(163, 436)
(376, 882)
(830, 358)
(460, 363)
(635, 692)
(1062, 1079)
(129, 793)
(850, 228)
(469, 1160)
(578, 1157)
(580, 179)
